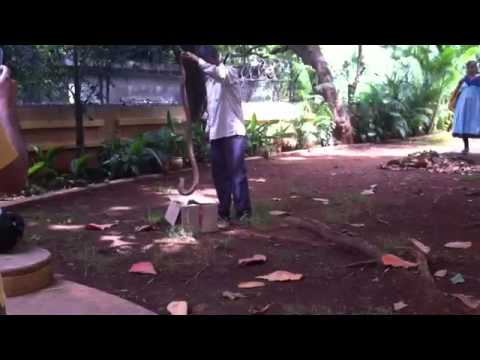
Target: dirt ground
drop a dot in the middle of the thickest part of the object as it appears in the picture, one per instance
(432, 208)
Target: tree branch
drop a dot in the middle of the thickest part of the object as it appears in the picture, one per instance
(90, 95)
(280, 49)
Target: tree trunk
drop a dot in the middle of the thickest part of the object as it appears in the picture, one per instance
(352, 88)
(77, 96)
(107, 89)
(433, 124)
(100, 91)
(312, 55)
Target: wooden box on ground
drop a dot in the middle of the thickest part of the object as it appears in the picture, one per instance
(195, 214)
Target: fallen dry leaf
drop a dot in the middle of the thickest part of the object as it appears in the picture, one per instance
(357, 225)
(457, 279)
(422, 247)
(144, 228)
(281, 276)
(431, 161)
(99, 227)
(259, 180)
(147, 247)
(395, 261)
(254, 260)
(233, 296)
(381, 221)
(144, 267)
(251, 285)
(178, 308)
(458, 245)
(441, 273)
(278, 213)
(468, 300)
(399, 306)
(257, 310)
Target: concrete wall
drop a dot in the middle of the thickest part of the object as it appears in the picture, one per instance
(164, 88)
(49, 126)
(139, 86)
(54, 125)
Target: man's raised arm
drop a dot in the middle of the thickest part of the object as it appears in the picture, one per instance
(219, 72)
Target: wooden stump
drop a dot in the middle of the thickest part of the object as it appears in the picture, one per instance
(26, 270)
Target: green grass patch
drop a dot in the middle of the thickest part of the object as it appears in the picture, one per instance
(471, 178)
(155, 217)
(261, 217)
(343, 208)
(224, 244)
(299, 309)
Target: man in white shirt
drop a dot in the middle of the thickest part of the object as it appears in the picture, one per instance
(226, 132)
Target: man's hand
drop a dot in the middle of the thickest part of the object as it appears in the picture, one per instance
(8, 89)
(187, 55)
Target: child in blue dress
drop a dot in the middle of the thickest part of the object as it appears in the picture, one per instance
(467, 109)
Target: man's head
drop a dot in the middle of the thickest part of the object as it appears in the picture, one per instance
(209, 53)
(472, 68)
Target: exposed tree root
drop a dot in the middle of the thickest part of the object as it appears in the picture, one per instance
(250, 234)
(430, 289)
(325, 233)
(423, 267)
(362, 263)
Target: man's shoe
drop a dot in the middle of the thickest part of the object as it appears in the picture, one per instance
(245, 219)
(223, 223)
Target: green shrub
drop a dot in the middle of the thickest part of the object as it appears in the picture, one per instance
(133, 157)
(43, 169)
(397, 108)
(79, 166)
(166, 140)
(322, 120)
(258, 138)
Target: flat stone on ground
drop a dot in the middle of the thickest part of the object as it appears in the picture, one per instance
(23, 259)
(69, 298)
(25, 270)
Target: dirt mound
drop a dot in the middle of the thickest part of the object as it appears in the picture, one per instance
(433, 162)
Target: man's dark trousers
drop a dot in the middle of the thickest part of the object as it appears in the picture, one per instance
(230, 175)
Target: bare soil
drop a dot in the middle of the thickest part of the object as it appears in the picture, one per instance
(430, 207)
